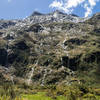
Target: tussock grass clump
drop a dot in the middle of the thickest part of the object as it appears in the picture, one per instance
(7, 92)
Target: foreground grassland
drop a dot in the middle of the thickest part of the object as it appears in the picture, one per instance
(52, 92)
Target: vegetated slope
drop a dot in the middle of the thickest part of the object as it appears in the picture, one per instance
(61, 50)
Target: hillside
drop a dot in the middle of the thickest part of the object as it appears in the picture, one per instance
(50, 49)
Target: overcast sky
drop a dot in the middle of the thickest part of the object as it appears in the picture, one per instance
(15, 9)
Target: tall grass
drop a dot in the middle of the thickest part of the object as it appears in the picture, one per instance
(7, 92)
(52, 92)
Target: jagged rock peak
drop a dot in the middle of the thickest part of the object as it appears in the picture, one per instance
(74, 15)
(36, 13)
(55, 13)
(97, 15)
(62, 13)
(56, 16)
(59, 12)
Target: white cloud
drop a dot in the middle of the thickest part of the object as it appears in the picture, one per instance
(88, 10)
(69, 5)
(58, 5)
(92, 2)
(89, 7)
(73, 3)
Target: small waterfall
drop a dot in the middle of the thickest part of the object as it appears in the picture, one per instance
(44, 76)
(65, 48)
(31, 74)
(12, 79)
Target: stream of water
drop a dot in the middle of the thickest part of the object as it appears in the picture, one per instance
(12, 79)
(44, 76)
(31, 74)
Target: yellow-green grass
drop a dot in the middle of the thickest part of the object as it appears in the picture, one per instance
(37, 96)
(41, 96)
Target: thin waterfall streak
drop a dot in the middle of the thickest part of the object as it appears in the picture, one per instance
(31, 73)
(12, 80)
(43, 80)
(30, 76)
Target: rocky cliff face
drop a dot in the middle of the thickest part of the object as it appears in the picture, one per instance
(52, 48)
(56, 16)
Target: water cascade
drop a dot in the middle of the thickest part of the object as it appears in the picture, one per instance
(31, 74)
(44, 76)
(12, 79)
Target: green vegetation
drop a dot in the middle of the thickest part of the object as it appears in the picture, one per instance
(37, 96)
(61, 61)
(51, 92)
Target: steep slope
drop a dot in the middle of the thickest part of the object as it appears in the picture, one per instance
(51, 48)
